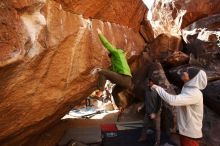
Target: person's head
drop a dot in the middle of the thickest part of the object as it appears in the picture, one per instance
(150, 82)
(188, 74)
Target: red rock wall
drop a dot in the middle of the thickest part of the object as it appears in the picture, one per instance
(57, 47)
(129, 13)
(173, 15)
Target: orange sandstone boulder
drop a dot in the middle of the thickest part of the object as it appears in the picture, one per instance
(58, 47)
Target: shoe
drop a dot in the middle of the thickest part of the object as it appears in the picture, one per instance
(143, 137)
(157, 143)
(95, 71)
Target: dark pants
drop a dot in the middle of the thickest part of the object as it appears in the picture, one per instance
(121, 80)
(149, 123)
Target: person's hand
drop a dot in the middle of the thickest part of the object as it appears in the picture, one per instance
(139, 109)
(153, 87)
(99, 93)
(98, 30)
(153, 116)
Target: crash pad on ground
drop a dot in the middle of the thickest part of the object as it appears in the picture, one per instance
(88, 135)
(130, 138)
(129, 125)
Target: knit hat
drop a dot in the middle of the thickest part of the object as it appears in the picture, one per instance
(192, 72)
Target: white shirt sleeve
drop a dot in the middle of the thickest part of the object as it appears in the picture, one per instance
(181, 99)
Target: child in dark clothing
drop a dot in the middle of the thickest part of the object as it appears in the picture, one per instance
(152, 112)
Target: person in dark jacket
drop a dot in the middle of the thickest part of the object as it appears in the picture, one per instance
(152, 112)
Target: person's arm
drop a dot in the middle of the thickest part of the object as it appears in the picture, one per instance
(106, 43)
(177, 100)
(154, 103)
(155, 107)
(140, 107)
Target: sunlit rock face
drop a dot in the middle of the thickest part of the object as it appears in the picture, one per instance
(53, 49)
(170, 16)
(146, 30)
(13, 37)
(21, 4)
(128, 13)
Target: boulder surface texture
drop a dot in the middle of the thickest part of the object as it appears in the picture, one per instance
(48, 49)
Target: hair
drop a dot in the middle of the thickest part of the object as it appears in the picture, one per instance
(151, 79)
(193, 72)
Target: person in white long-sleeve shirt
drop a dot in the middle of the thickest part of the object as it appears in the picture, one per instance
(189, 105)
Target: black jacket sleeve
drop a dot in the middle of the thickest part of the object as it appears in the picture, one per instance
(158, 104)
(152, 102)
